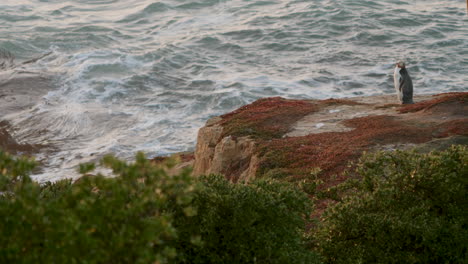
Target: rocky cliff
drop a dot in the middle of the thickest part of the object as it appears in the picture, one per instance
(290, 139)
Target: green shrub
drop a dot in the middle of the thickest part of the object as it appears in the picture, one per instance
(406, 208)
(98, 220)
(262, 222)
(145, 216)
(13, 172)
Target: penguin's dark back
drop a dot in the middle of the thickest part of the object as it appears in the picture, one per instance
(404, 73)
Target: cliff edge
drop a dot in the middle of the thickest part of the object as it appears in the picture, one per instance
(294, 139)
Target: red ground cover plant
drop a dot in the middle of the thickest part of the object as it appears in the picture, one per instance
(333, 101)
(454, 127)
(272, 117)
(331, 151)
(461, 98)
(266, 118)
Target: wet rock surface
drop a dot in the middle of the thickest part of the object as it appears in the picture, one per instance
(9, 144)
(19, 90)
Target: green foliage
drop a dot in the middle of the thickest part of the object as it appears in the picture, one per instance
(13, 172)
(145, 216)
(86, 167)
(262, 222)
(125, 219)
(406, 208)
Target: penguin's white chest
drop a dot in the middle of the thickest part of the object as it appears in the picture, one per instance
(396, 79)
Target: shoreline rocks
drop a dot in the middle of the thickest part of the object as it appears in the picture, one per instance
(9, 144)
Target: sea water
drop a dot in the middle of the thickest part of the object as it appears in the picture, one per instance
(121, 76)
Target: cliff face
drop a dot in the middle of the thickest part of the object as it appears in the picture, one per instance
(229, 155)
(280, 138)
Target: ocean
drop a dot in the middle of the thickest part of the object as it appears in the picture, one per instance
(92, 77)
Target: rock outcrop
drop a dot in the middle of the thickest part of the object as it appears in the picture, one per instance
(9, 144)
(230, 155)
(280, 138)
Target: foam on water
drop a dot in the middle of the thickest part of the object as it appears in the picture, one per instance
(144, 75)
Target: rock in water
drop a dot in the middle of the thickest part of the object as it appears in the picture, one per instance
(403, 84)
(7, 60)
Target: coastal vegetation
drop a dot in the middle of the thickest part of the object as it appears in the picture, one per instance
(143, 215)
(266, 118)
(399, 207)
(395, 207)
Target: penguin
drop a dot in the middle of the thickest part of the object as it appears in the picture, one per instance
(403, 83)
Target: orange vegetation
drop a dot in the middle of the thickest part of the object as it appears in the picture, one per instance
(461, 98)
(454, 127)
(295, 157)
(333, 101)
(272, 117)
(266, 118)
(332, 151)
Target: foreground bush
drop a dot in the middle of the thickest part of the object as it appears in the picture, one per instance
(262, 222)
(98, 220)
(406, 208)
(145, 216)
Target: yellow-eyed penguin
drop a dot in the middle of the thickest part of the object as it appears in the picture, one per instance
(403, 83)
